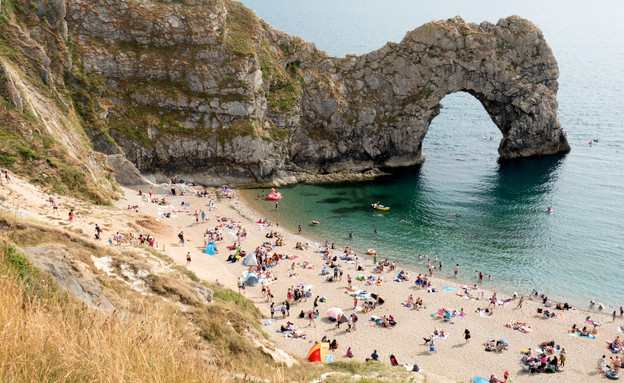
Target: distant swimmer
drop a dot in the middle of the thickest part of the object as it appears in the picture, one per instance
(315, 222)
(549, 209)
(454, 215)
(404, 221)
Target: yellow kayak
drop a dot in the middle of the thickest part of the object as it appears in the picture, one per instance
(380, 207)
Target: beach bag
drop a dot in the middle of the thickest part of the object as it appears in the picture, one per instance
(432, 348)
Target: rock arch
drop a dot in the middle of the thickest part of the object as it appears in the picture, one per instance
(378, 107)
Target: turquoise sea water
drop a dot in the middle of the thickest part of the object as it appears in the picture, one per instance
(575, 254)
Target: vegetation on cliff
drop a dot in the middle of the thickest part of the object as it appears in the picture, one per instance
(41, 136)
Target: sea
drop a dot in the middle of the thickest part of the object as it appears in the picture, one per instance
(575, 254)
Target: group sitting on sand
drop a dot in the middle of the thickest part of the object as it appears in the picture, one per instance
(543, 363)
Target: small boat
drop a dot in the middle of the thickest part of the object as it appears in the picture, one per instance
(380, 207)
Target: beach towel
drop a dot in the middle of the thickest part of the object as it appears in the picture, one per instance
(444, 335)
(577, 335)
(447, 288)
(269, 321)
(485, 315)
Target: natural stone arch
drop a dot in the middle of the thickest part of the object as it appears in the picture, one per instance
(378, 107)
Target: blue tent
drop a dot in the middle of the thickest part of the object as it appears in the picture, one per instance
(211, 248)
(252, 279)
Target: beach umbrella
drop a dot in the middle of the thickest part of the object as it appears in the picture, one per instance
(302, 284)
(504, 342)
(478, 379)
(334, 312)
(308, 287)
(318, 352)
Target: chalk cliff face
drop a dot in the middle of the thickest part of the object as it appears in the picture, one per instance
(203, 88)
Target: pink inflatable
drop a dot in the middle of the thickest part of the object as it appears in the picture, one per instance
(274, 195)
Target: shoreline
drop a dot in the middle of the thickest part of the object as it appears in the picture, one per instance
(543, 329)
(417, 265)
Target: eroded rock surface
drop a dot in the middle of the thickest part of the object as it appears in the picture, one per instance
(204, 89)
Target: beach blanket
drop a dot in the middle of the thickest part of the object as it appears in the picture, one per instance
(447, 288)
(269, 321)
(577, 335)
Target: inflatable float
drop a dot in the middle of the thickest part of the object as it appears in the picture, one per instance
(380, 207)
(371, 251)
(273, 195)
(612, 375)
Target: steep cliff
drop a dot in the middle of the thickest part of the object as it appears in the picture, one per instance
(205, 89)
(41, 136)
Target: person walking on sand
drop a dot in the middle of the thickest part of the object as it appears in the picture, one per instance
(311, 316)
(520, 303)
(467, 335)
(188, 258)
(150, 192)
(71, 215)
(181, 237)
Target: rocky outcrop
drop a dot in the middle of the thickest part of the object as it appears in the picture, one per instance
(205, 89)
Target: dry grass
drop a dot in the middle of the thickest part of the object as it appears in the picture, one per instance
(47, 337)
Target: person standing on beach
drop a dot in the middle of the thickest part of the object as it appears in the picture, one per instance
(188, 258)
(299, 227)
(467, 335)
(241, 288)
(520, 303)
(181, 237)
(150, 192)
(456, 270)
(349, 281)
(71, 215)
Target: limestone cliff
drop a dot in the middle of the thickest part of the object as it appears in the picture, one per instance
(203, 88)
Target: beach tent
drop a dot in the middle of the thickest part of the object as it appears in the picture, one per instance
(251, 260)
(334, 313)
(318, 352)
(252, 279)
(211, 249)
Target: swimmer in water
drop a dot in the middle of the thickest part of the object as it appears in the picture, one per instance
(454, 215)
(404, 221)
(549, 209)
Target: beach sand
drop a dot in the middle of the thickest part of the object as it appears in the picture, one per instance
(454, 359)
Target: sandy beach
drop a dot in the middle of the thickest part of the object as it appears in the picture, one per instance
(454, 358)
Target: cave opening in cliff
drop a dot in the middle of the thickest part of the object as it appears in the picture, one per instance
(462, 134)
